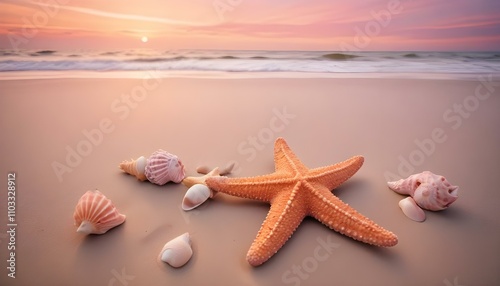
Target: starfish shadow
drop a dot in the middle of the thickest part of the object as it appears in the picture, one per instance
(350, 188)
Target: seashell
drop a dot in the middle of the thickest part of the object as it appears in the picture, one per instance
(430, 191)
(135, 167)
(195, 196)
(411, 209)
(163, 167)
(96, 214)
(160, 168)
(177, 251)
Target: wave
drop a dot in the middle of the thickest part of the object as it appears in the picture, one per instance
(411, 56)
(339, 56)
(250, 61)
(43, 53)
(197, 58)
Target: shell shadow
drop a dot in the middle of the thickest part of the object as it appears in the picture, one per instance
(452, 213)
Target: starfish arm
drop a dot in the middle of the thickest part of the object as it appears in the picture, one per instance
(284, 217)
(339, 216)
(262, 188)
(285, 160)
(334, 175)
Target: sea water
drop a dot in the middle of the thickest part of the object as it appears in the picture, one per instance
(231, 62)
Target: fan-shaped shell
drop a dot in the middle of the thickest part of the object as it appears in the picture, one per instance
(95, 213)
(163, 167)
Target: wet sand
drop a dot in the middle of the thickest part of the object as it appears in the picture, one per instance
(63, 137)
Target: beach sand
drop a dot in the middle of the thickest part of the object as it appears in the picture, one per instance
(86, 127)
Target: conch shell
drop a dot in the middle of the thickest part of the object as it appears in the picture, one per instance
(96, 214)
(427, 190)
(177, 251)
(160, 168)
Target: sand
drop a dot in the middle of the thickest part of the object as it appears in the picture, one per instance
(63, 137)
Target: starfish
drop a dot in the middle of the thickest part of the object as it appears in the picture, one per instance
(294, 192)
(191, 181)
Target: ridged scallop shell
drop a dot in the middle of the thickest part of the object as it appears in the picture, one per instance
(177, 251)
(195, 196)
(94, 213)
(163, 167)
(430, 191)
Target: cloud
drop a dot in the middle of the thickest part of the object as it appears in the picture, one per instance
(131, 17)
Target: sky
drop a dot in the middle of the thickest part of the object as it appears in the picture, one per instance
(326, 25)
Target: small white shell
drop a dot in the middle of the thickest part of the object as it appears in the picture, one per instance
(195, 196)
(411, 209)
(177, 251)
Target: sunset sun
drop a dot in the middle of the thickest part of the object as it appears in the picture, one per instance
(144, 39)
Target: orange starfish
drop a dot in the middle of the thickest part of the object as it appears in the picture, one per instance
(294, 192)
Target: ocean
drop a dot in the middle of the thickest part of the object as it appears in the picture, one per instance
(306, 63)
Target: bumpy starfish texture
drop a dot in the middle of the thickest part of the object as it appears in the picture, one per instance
(294, 192)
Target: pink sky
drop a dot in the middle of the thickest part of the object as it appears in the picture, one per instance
(251, 24)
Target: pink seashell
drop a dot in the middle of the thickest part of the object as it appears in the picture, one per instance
(411, 209)
(430, 191)
(96, 214)
(163, 167)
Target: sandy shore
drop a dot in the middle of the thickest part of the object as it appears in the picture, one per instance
(63, 137)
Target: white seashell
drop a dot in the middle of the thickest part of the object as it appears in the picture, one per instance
(195, 196)
(177, 251)
(163, 167)
(411, 209)
(430, 191)
(94, 213)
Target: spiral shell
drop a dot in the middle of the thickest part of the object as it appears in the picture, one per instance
(94, 213)
(177, 251)
(163, 167)
(430, 191)
(135, 168)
